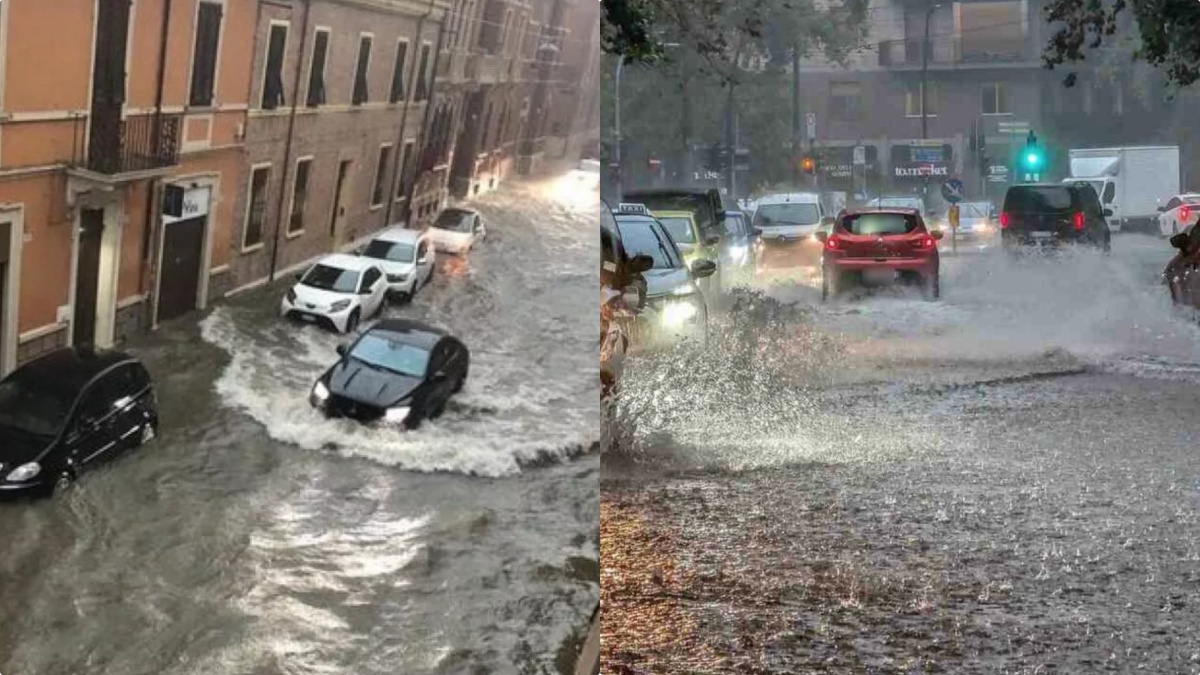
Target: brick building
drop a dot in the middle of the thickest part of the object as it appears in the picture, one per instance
(337, 104)
(107, 107)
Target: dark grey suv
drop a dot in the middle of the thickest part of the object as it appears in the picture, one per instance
(1052, 215)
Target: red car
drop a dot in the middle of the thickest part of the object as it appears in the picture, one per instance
(881, 246)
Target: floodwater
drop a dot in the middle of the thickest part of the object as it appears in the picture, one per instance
(1005, 481)
(256, 537)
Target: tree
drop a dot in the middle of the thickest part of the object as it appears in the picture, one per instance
(1168, 32)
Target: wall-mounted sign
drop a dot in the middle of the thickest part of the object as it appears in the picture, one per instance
(180, 204)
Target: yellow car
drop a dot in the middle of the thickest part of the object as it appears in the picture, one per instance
(692, 243)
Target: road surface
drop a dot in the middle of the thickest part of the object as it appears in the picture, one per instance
(1007, 481)
(256, 537)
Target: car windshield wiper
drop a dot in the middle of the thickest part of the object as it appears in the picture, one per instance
(379, 366)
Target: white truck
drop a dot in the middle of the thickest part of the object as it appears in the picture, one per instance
(1131, 182)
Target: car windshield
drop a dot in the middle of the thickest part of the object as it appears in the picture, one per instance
(1192, 199)
(879, 223)
(680, 228)
(896, 203)
(1038, 199)
(390, 250)
(31, 408)
(329, 278)
(641, 237)
(387, 351)
(974, 210)
(735, 225)
(787, 214)
(454, 221)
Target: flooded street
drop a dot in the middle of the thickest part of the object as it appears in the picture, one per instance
(256, 537)
(1004, 481)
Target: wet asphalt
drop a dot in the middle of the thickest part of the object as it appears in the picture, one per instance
(256, 537)
(1007, 481)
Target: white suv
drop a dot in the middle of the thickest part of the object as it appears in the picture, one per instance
(406, 258)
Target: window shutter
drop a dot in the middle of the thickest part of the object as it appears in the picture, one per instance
(204, 57)
(361, 93)
(273, 86)
(316, 79)
(398, 73)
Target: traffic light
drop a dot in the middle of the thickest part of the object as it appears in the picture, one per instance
(808, 165)
(1033, 159)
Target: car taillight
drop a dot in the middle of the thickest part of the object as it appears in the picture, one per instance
(1077, 220)
(832, 243)
(1004, 220)
(926, 241)
(1185, 213)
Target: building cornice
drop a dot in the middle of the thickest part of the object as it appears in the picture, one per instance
(410, 7)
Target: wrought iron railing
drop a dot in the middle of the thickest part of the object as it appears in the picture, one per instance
(116, 146)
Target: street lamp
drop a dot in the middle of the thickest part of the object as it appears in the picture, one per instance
(617, 106)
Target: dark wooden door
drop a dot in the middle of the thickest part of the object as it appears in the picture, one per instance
(87, 275)
(5, 245)
(108, 84)
(183, 249)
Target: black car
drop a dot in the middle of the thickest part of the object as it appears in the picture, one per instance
(1051, 215)
(67, 412)
(1182, 274)
(398, 371)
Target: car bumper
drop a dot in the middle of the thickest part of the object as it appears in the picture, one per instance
(452, 247)
(923, 266)
(1021, 240)
(407, 287)
(34, 489)
(797, 252)
(334, 321)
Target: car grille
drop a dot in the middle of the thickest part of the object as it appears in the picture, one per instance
(341, 406)
(397, 278)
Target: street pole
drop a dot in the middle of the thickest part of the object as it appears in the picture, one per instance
(795, 113)
(617, 132)
(729, 138)
(924, 86)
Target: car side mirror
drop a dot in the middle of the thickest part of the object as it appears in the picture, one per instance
(342, 349)
(712, 240)
(821, 236)
(704, 268)
(1180, 241)
(937, 235)
(641, 263)
(1161, 209)
(1108, 213)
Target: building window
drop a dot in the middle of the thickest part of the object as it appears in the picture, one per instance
(397, 93)
(996, 100)
(912, 100)
(378, 191)
(256, 207)
(992, 31)
(362, 92)
(406, 159)
(272, 92)
(204, 54)
(423, 74)
(845, 100)
(316, 71)
(299, 197)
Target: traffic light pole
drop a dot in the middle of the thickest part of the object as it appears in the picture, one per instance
(617, 110)
(795, 113)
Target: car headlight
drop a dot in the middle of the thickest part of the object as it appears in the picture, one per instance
(321, 392)
(24, 472)
(291, 296)
(737, 253)
(676, 314)
(339, 305)
(396, 414)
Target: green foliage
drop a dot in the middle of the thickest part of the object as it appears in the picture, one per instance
(1167, 31)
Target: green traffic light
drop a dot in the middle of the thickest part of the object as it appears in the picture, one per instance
(1033, 159)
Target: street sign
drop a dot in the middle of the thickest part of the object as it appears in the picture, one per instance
(860, 155)
(952, 190)
(1014, 127)
(997, 173)
(810, 123)
(953, 216)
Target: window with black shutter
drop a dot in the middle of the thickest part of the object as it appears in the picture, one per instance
(406, 159)
(378, 191)
(316, 73)
(273, 81)
(361, 93)
(423, 75)
(299, 197)
(397, 94)
(204, 55)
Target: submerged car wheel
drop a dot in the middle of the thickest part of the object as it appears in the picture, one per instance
(932, 287)
(352, 322)
(830, 283)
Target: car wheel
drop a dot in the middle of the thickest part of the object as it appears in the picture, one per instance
(933, 286)
(352, 322)
(462, 381)
(830, 283)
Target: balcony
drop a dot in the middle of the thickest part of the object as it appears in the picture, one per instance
(954, 52)
(129, 148)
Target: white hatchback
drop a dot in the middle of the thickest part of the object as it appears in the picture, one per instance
(337, 293)
(457, 230)
(406, 258)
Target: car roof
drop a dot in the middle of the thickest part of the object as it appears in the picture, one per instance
(346, 262)
(398, 234)
(412, 332)
(790, 198)
(71, 368)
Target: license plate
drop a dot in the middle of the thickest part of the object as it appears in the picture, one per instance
(1043, 235)
(879, 276)
(308, 317)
